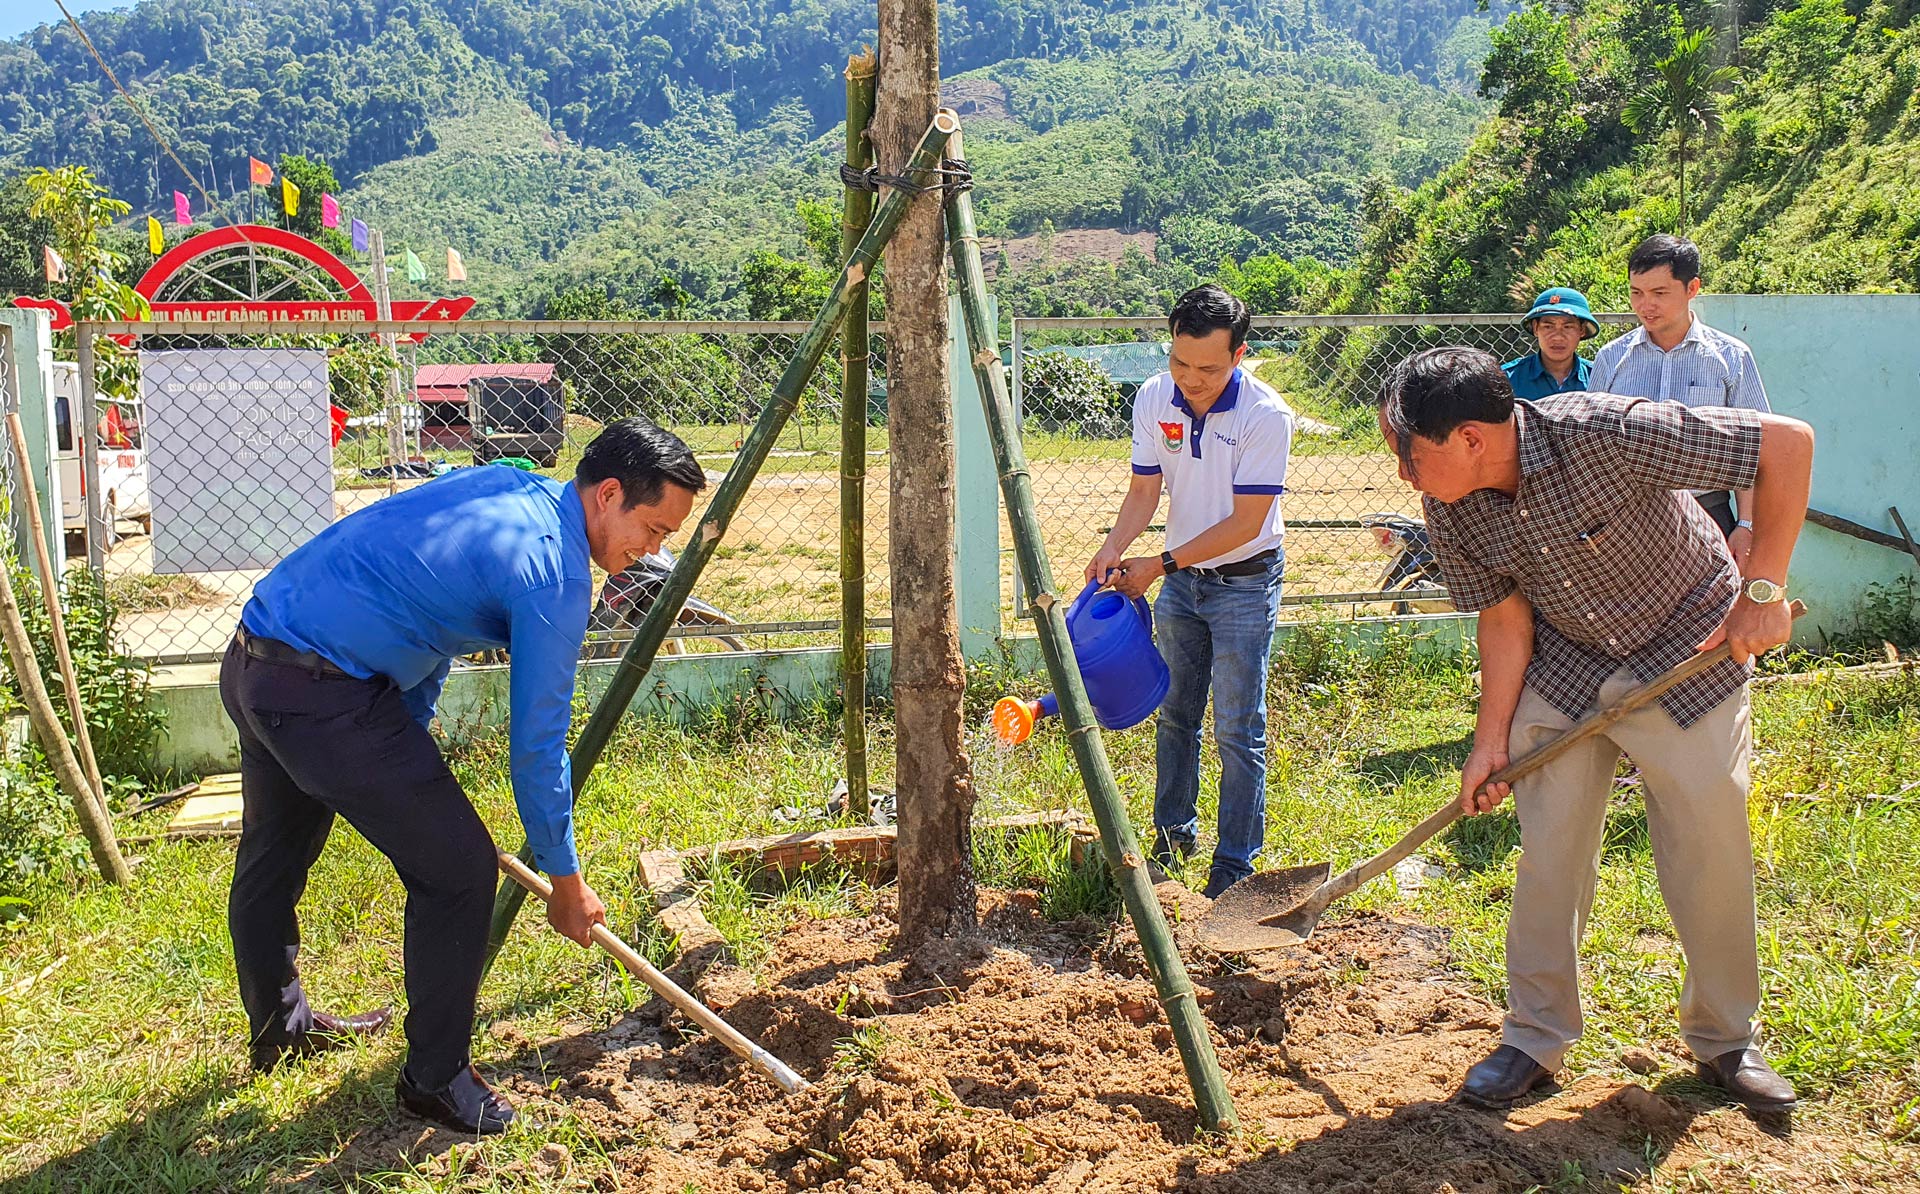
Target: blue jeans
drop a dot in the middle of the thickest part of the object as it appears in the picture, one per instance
(1215, 632)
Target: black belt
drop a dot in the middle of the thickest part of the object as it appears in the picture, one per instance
(1251, 566)
(275, 651)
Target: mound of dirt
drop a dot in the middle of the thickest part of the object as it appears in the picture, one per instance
(1034, 1057)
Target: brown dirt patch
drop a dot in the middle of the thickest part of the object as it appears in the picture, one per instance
(978, 99)
(1035, 1058)
(1066, 244)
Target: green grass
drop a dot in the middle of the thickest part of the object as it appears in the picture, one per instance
(122, 1066)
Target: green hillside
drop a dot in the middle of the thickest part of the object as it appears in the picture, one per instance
(1810, 181)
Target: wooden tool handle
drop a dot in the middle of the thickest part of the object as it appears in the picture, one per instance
(1533, 760)
(665, 987)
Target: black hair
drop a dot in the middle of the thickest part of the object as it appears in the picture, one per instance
(1432, 392)
(643, 457)
(1204, 310)
(1677, 253)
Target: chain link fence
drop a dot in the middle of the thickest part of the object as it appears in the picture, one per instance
(1074, 382)
(246, 440)
(211, 450)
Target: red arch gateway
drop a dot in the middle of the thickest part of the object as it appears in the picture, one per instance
(293, 266)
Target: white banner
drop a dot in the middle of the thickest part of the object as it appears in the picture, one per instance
(239, 455)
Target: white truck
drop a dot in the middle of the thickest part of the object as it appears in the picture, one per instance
(123, 464)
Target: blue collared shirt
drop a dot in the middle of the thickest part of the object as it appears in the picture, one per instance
(1532, 381)
(480, 559)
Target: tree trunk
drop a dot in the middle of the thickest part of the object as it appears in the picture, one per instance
(935, 790)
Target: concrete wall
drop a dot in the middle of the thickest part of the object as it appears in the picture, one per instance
(1850, 366)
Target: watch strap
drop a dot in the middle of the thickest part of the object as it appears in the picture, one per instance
(1167, 564)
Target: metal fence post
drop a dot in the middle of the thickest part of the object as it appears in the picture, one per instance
(85, 420)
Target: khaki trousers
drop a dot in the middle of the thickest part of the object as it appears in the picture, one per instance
(1696, 794)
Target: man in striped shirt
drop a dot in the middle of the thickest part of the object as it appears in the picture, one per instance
(1674, 357)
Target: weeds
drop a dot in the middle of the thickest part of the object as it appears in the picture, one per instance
(124, 1065)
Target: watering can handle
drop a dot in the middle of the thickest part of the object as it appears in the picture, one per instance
(1140, 604)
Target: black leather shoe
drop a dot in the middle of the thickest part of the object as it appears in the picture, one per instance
(466, 1104)
(1169, 850)
(1747, 1078)
(1217, 883)
(1504, 1076)
(328, 1032)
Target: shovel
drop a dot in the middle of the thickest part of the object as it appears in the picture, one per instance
(1282, 907)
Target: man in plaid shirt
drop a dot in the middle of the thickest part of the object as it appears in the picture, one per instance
(1558, 522)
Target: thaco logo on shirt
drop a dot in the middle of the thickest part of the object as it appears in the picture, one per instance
(1172, 434)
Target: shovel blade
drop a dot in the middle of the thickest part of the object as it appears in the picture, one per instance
(1268, 910)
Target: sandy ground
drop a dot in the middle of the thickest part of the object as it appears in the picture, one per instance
(1034, 1057)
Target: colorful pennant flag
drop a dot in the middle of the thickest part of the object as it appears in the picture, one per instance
(182, 212)
(56, 264)
(260, 172)
(416, 269)
(290, 196)
(456, 267)
(156, 239)
(361, 240)
(329, 211)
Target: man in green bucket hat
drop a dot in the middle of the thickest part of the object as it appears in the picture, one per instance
(1558, 322)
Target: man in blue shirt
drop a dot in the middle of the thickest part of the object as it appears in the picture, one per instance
(1558, 322)
(331, 680)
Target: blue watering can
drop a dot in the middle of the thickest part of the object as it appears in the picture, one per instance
(1125, 677)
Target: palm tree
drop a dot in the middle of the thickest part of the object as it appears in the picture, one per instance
(1682, 97)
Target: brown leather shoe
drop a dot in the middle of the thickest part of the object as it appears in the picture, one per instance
(1747, 1078)
(328, 1032)
(1503, 1077)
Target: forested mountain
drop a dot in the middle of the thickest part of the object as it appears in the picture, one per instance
(550, 131)
(1802, 169)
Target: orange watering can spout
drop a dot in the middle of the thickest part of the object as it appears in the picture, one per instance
(1013, 719)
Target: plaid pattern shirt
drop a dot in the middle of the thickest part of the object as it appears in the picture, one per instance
(1620, 569)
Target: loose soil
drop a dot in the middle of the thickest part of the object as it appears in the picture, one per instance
(1035, 1057)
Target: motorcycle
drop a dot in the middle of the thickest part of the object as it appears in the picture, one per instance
(629, 594)
(1410, 565)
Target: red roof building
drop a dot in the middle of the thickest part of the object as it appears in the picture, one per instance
(448, 383)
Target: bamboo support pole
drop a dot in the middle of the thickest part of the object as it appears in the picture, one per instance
(46, 727)
(527, 879)
(56, 618)
(1210, 1094)
(856, 214)
(652, 631)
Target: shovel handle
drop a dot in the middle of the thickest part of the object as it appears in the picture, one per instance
(665, 987)
(1372, 868)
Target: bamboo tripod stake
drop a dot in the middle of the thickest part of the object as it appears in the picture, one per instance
(529, 879)
(46, 727)
(50, 597)
(706, 536)
(1211, 1097)
(857, 213)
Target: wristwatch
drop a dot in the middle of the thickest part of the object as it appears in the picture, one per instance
(1762, 591)
(1167, 566)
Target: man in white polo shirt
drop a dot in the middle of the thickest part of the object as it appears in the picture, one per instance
(1216, 437)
